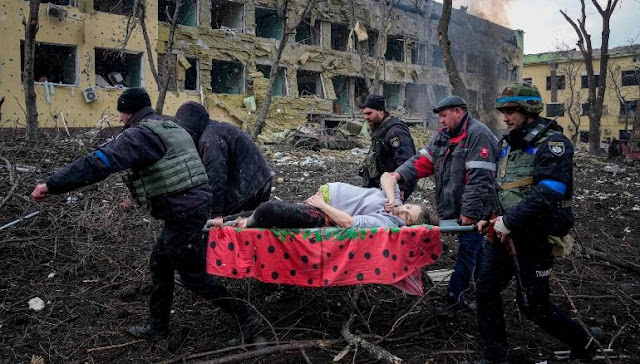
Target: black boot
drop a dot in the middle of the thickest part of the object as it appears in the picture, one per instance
(148, 330)
(249, 328)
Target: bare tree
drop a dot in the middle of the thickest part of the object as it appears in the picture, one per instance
(288, 28)
(596, 92)
(30, 30)
(459, 88)
(161, 78)
(625, 97)
(574, 97)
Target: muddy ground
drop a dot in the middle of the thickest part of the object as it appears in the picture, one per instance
(86, 259)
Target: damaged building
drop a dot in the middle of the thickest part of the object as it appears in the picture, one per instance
(224, 50)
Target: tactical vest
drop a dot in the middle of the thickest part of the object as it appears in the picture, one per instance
(371, 165)
(179, 169)
(515, 171)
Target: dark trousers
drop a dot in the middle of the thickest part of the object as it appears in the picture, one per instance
(280, 214)
(181, 247)
(251, 202)
(469, 252)
(535, 259)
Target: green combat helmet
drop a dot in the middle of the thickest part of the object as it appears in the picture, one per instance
(522, 96)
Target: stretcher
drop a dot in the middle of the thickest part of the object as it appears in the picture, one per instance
(331, 256)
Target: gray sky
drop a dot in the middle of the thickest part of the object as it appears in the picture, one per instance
(545, 29)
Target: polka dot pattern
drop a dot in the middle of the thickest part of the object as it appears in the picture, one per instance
(319, 258)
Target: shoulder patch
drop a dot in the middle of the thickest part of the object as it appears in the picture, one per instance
(395, 142)
(557, 148)
(484, 152)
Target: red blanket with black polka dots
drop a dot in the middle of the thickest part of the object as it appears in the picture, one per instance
(325, 257)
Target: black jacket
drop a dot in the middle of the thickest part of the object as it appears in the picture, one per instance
(235, 166)
(136, 147)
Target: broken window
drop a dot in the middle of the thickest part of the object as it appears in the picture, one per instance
(120, 7)
(473, 63)
(630, 78)
(342, 104)
(360, 92)
(628, 109)
(437, 59)
(268, 24)
(416, 98)
(391, 94)
(309, 83)
(395, 49)
(53, 62)
(555, 110)
(419, 53)
(191, 74)
(584, 136)
(227, 15)
(118, 69)
(187, 14)
(439, 92)
(528, 80)
(280, 85)
(372, 43)
(227, 77)
(585, 108)
(339, 37)
(171, 86)
(59, 2)
(307, 33)
(559, 82)
(584, 80)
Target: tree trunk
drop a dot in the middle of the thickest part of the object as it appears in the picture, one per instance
(459, 88)
(164, 80)
(261, 118)
(30, 31)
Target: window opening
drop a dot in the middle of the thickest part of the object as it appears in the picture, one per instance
(187, 15)
(307, 33)
(171, 86)
(280, 85)
(339, 37)
(419, 53)
(391, 94)
(554, 110)
(559, 82)
(628, 109)
(416, 95)
(53, 62)
(395, 49)
(630, 78)
(309, 83)
(120, 7)
(191, 75)
(118, 69)
(227, 77)
(437, 59)
(268, 24)
(227, 15)
(341, 104)
(584, 81)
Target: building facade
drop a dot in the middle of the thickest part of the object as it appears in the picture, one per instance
(223, 51)
(561, 77)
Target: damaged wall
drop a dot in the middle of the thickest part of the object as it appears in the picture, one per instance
(414, 27)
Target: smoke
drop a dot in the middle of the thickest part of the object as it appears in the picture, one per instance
(495, 11)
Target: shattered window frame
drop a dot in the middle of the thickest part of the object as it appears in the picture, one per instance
(189, 14)
(391, 99)
(372, 43)
(319, 87)
(192, 74)
(130, 67)
(418, 53)
(360, 92)
(584, 81)
(340, 37)
(312, 33)
(262, 20)
(118, 7)
(628, 109)
(46, 64)
(630, 78)
(282, 86)
(342, 105)
(395, 44)
(232, 85)
(555, 109)
(233, 8)
(560, 82)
